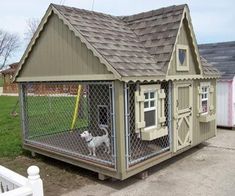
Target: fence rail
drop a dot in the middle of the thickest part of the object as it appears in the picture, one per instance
(13, 184)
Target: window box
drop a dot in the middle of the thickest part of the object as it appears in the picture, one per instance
(154, 133)
(207, 118)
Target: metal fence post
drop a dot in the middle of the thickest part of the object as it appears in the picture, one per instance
(112, 106)
(126, 104)
(22, 111)
(170, 114)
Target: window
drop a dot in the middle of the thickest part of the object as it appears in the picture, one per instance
(206, 95)
(205, 98)
(103, 115)
(150, 108)
(150, 112)
(182, 62)
(182, 56)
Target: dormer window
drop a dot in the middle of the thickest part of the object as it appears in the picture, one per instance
(182, 59)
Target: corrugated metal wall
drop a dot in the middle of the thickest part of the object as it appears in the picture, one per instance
(185, 40)
(222, 103)
(58, 52)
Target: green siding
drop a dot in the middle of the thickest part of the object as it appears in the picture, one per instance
(184, 38)
(202, 131)
(58, 52)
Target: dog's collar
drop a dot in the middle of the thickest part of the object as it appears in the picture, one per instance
(89, 140)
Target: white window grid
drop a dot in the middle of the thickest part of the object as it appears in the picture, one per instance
(205, 96)
(149, 101)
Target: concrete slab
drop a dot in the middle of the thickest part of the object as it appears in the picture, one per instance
(208, 169)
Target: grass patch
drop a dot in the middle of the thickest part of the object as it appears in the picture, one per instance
(46, 116)
(49, 115)
(10, 130)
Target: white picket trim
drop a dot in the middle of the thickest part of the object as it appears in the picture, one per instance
(19, 185)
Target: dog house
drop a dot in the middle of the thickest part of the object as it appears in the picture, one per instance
(140, 77)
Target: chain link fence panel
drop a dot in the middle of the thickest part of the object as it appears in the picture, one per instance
(49, 111)
(137, 149)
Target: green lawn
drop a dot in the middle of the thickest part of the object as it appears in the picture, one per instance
(49, 115)
(46, 116)
(10, 134)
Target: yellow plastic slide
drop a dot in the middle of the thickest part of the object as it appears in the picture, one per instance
(75, 114)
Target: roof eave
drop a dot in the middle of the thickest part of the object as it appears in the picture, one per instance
(143, 78)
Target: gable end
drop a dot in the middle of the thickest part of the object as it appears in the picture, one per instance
(191, 66)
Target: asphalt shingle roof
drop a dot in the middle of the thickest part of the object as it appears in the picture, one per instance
(131, 46)
(137, 45)
(11, 70)
(222, 56)
(208, 69)
(157, 31)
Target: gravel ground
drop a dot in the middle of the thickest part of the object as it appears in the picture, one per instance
(208, 169)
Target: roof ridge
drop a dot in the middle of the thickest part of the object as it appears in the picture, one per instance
(85, 10)
(155, 12)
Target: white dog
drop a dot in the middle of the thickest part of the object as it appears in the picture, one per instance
(94, 142)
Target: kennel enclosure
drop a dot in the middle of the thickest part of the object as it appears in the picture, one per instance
(141, 77)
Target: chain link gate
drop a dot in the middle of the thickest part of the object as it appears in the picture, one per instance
(48, 112)
(138, 150)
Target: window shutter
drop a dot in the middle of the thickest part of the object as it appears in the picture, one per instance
(161, 108)
(199, 100)
(139, 111)
(211, 98)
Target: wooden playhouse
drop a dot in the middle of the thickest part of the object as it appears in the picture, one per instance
(139, 76)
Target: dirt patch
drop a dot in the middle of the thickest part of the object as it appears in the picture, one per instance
(58, 177)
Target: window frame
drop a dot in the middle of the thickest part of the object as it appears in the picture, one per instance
(180, 67)
(207, 92)
(151, 88)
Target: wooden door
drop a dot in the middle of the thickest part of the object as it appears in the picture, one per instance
(183, 99)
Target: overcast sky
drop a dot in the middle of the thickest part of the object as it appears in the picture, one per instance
(213, 21)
